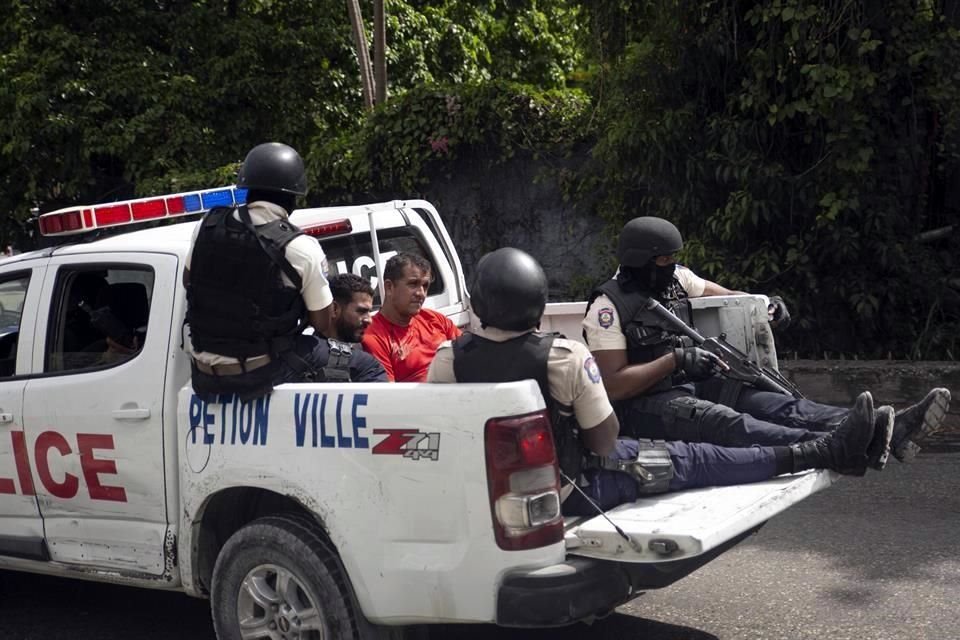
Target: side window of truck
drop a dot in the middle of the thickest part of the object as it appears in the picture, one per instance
(13, 291)
(98, 317)
(354, 254)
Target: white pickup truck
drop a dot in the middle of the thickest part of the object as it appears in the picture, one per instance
(324, 510)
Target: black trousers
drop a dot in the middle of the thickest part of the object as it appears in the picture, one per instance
(693, 414)
(694, 465)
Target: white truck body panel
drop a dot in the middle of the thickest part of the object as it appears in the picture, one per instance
(413, 526)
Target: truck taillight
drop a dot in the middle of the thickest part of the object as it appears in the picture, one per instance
(524, 481)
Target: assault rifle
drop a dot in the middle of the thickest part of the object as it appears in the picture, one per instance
(104, 321)
(742, 368)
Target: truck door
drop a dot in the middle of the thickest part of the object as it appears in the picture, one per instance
(94, 417)
(21, 529)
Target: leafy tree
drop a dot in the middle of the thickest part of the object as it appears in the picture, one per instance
(440, 41)
(400, 144)
(104, 99)
(801, 146)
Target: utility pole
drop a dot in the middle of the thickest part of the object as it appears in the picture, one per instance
(379, 51)
(363, 52)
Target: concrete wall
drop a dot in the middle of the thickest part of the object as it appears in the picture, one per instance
(895, 382)
(520, 204)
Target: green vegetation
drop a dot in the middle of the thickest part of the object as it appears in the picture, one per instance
(391, 150)
(801, 146)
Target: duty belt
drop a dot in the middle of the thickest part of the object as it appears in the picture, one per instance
(232, 369)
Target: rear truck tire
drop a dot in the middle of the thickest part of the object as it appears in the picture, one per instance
(277, 578)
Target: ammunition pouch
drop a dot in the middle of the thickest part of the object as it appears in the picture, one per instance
(693, 419)
(683, 417)
(646, 461)
(338, 362)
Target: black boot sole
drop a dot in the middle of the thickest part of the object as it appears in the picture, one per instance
(932, 421)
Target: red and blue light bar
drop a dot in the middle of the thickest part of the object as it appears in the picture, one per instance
(76, 220)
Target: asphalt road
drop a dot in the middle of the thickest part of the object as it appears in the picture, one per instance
(872, 559)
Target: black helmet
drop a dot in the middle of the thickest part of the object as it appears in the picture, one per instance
(273, 166)
(645, 238)
(509, 290)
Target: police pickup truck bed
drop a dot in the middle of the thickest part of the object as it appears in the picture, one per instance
(350, 509)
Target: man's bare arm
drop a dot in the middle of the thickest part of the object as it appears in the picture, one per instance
(623, 380)
(714, 289)
(602, 438)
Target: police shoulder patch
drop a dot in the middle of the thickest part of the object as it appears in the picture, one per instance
(605, 317)
(593, 371)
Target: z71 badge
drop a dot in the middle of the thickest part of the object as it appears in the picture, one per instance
(410, 443)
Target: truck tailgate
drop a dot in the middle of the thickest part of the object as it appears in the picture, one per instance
(686, 524)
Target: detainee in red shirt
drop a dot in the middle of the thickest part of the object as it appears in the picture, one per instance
(404, 336)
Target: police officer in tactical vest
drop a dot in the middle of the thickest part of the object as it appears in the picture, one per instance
(664, 387)
(508, 295)
(254, 281)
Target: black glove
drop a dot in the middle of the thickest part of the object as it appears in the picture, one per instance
(777, 313)
(696, 363)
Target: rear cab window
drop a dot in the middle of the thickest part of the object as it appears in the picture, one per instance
(354, 254)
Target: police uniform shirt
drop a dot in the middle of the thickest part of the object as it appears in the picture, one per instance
(601, 324)
(572, 375)
(305, 256)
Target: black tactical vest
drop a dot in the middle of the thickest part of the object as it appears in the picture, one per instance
(646, 341)
(477, 359)
(237, 303)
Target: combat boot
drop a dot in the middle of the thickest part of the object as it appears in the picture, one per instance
(843, 449)
(915, 424)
